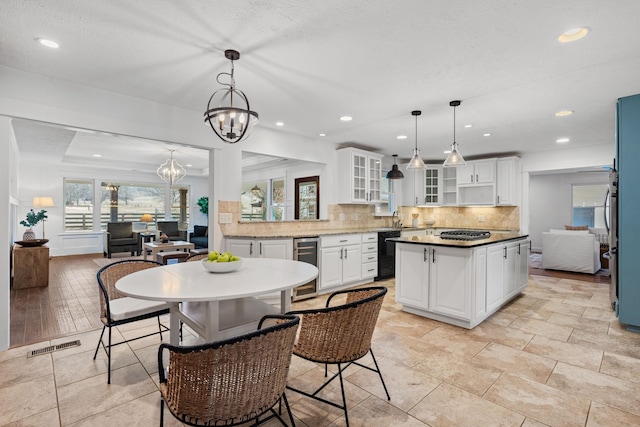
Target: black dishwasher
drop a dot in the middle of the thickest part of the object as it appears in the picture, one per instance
(386, 254)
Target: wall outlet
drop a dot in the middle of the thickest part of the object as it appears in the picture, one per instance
(224, 218)
(341, 217)
(481, 218)
(356, 217)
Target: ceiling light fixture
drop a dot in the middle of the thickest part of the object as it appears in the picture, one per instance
(573, 34)
(401, 137)
(486, 134)
(346, 118)
(468, 126)
(231, 122)
(562, 140)
(48, 43)
(416, 161)
(322, 134)
(454, 158)
(171, 171)
(395, 173)
(279, 124)
(564, 113)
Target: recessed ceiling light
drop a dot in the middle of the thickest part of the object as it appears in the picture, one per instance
(401, 137)
(322, 134)
(189, 165)
(346, 118)
(573, 34)
(486, 134)
(562, 140)
(48, 43)
(468, 126)
(564, 113)
(97, 155)
(447, 151)
(279, 124)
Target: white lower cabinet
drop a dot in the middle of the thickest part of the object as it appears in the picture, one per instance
(461, 286)
(342, 262)
(261, 248)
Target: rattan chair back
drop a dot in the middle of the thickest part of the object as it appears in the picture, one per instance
(228, 382)
(110, 274)
(196, 257)
(341, 333)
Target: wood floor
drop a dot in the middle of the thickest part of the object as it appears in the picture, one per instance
(70, 304)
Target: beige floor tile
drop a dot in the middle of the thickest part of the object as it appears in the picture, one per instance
(374, 412)
(616, 392)
(510, 337)
(43, 419)
(406, 386)
(620, 330)
(533, 423)
(147, 341)
(148, 356)
(472, 377)
(25, 399)
(23, 369)
(624, 367)
(406, 350)
(599, 314)
(528, 312)
(607, 343)
(539, 327)
(88, 341)
(93, 395)
(408, 325)
(605, 416)
(523, 300)
(450, 406)
(577, 322)
(515, 361)
(574, 354)
(501, 318)
(558, 307)
(21, 352)
(463, 345)
(538, 401)
(80, 366)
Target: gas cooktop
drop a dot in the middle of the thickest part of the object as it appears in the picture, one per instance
(465, 234)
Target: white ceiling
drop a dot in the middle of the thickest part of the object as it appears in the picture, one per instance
(306, 63)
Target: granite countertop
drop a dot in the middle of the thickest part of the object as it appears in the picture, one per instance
(496, 237)
(285, 234)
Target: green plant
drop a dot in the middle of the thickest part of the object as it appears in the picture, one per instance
(34, 218)
(203, 202)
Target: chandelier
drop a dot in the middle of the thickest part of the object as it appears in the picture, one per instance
(228, 112)
(171, 171)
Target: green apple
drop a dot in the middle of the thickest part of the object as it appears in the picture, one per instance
(213, 256)
(228, 254)
(234, 258)
(223, 258)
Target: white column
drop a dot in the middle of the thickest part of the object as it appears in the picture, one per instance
(6, 136)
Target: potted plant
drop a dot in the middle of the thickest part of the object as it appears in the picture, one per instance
(203, 202)
(32, 220)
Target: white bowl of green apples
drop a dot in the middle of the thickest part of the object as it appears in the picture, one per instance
(221, 262)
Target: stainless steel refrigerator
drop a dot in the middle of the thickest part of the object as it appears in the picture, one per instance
(625, 215)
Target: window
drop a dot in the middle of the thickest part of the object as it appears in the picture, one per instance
(588, 205)
(78, 204)
(386, 195)
(263, 200)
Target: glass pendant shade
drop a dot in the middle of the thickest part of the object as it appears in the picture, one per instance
(395, 173)
(171, 171)
(454, 158)
(416, 161)
(228, 111)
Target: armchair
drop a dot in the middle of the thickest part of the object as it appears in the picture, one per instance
(120, 237)
(170, 228)
(577, 251)
(199, 236)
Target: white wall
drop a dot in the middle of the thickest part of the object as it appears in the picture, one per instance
(550, 201)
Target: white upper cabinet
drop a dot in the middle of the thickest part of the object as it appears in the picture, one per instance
(359, 176)
(508, 181)
(423, 187)
(477, 172)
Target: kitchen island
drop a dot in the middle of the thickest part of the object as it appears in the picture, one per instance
(461, 282)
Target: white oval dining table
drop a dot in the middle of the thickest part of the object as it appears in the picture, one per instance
(218, 305)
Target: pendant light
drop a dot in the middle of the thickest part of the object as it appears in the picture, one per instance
(395, 173)
(232, 122)
(454, 158)
(171, 171)
(416, 161)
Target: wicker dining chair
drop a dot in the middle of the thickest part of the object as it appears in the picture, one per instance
(118, 309)
(229, 382)
(196, 257)
(340, 335)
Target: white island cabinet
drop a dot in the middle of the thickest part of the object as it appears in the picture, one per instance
(347, 260)
(459, 285)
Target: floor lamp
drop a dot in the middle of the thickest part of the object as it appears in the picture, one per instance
(43, 202)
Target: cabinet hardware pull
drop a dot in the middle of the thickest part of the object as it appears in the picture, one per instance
(416, 200)
(433, 255)
(425, 254)
(498, 199)
(370, 257)
(371, 269)
(346, 252)
(471, 177)
(476, 178)
(342, 241)
(518, 249)
(341, 250)
(251, 248)
(260, 248)
(504, 249)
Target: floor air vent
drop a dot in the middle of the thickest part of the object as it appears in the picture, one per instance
(52, 348)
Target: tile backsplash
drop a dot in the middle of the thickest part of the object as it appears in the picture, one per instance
(349, 217)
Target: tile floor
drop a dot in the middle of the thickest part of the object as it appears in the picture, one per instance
(554, 356)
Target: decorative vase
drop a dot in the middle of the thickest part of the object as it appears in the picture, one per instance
(29, 235)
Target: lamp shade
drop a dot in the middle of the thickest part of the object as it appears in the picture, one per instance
(146, 218)
(42, 202)
(416, 161)
(395, 173)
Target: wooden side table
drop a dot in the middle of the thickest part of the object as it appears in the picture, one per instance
(30, 267)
